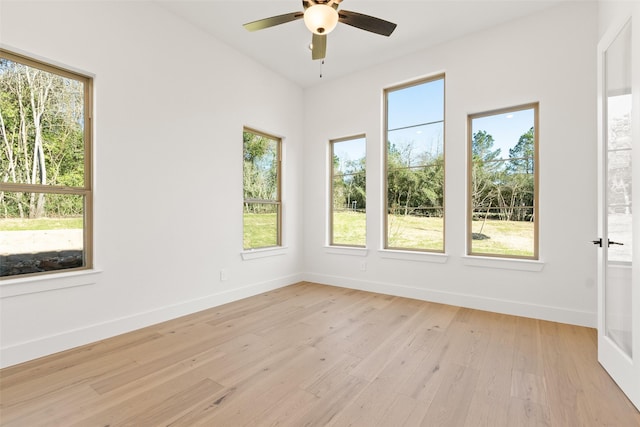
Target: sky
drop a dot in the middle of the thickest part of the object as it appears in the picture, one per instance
(416, 114)
(505, 128)
(351, 149)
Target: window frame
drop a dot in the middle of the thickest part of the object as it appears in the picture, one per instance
(277, 202)
(535, 106)
(385, 156)
(332, 176)
(86, 191)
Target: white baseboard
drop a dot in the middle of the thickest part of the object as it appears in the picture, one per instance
(554, 314)
(51, 344)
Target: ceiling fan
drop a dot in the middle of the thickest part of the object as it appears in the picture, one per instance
(321, 17)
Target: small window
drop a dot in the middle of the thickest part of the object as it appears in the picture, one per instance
(348, 190)
(415, 166)
(261, 182)
(45, 168)
(503, 183)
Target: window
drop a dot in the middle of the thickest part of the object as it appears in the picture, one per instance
(503, 181)
(261, 182)
(348, 190)
(415, 166)
(45, 168)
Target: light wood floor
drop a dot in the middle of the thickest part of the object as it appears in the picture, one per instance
(317, 355)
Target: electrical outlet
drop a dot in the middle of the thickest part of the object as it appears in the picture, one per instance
(223, 275)
(363, 266)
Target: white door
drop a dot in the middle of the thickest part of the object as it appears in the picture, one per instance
(619, 185)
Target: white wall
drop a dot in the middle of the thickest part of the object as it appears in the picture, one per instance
(548, 57)
(614, 13)
(170, 105)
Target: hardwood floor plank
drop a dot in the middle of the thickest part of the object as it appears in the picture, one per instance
(173, 406)
(394, 341)
(527, 355)
(530, 387)
(487, 411)
(36, 387)
(315, 355)
(47, 409)
(339, 394)
(285, 410)
(399, 412)
(528, 414)
(121, 403)
(450, 406)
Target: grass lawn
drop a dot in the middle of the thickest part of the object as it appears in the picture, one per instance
(505, 238)
(405, 232)
(350, 228)
(21, 224)
(415, 232)
(412, 232)
(260, 230)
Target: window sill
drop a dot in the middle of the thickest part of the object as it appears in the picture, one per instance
(263, 253)
(503, 263)
(345, 250)
(438, 258)
(48, 282)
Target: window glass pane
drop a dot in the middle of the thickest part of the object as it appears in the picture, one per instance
(619, 177)
(502, 186)
(53, 241)
(43, 118)
(260, 225)
(417, 145)
(349, 200)
(415, 167)
(415, 105)
(260, 167)
(261, 189)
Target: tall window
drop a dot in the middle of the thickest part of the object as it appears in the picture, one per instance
(348, 189)
(45, 168)
(503, 181)
(415, 166)
(262, 205)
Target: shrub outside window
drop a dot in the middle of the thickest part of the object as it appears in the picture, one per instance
(45, 168)
(415, 166)
(348, 192)
(262, 211)
(503, 183)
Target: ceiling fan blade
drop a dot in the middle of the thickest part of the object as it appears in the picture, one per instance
(318, 46)
(274, 20)
(366, 22)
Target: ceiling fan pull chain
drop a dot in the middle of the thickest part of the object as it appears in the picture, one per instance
(321, 64)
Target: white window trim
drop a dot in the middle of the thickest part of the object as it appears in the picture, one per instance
(43, 283)
(347, 250)
(503, 263)
(418, 256)
(263, 252)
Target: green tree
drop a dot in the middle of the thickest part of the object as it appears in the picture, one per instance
(520, 170)
(485, 173)
(260, 170)
(41, 122)
(415, 182)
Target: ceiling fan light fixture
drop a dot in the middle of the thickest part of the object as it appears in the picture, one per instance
(320, 18)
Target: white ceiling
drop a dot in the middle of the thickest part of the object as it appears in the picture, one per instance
(284, 48)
